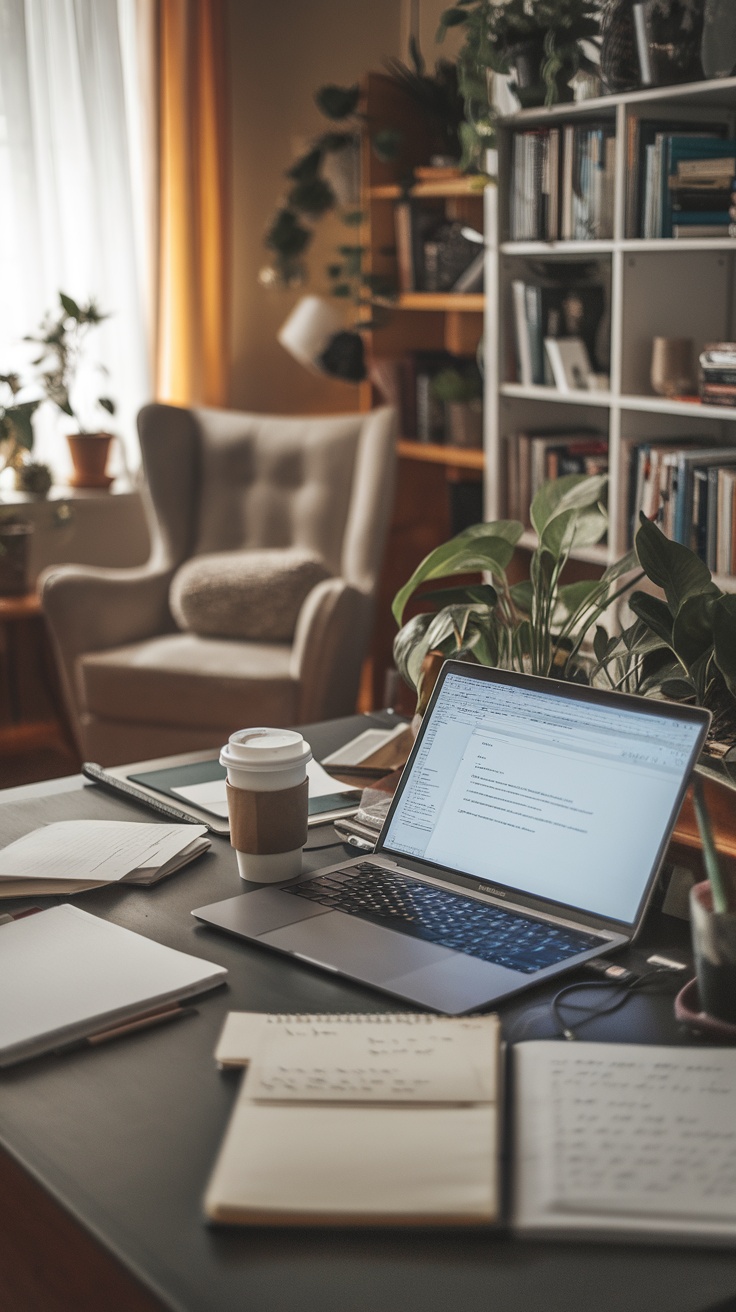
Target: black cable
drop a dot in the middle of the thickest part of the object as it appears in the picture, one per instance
(624, 993)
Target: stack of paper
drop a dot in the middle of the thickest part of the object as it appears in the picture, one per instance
(74, 855)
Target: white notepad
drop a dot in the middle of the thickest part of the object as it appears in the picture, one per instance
(345, 1119)
(65, 974)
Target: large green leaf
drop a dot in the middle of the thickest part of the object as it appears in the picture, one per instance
(674, 568)
(655, 614)
(20, 422)
(461, 555)
(572, 492)
(571, 596)
(522, 595)
(509, 529)
(680, 689)
(573, 528)
(457, 620)
(410, 648)
(692, 631)
(626, 565)
(724, 639)
(481, 594)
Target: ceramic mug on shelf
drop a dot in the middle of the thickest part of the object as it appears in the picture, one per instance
(672, 366)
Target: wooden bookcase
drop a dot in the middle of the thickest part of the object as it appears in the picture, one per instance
(663, 287)
(429, 474)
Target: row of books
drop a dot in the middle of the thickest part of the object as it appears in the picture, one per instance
(562, 183)
(690, 490)
(680, 180)
(406, 382)
(434, 253)
(718, 374)
(533, 458)
(541, 312)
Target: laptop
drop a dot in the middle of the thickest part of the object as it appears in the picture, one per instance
(524, 838)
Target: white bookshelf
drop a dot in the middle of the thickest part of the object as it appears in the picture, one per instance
(663, 287)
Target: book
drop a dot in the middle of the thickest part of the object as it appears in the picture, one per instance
(624, 1141)
(72, 856)
(697, 229)
(388, 1119)
(397, 1119)
(66, 975)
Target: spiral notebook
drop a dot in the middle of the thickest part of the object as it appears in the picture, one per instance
(398, 1119)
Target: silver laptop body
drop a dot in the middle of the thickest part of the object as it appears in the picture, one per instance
(524, 838)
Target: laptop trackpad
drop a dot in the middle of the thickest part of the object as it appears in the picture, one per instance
(355, 947)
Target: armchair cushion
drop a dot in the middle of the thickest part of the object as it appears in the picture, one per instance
(256, 595)
(214, 682)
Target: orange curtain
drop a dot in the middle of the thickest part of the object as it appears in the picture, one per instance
(192, 348)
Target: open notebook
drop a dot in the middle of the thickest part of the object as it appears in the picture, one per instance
(397, 1119)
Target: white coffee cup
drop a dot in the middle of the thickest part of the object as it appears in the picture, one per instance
(268, 800)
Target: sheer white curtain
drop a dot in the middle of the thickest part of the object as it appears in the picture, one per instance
(73, 195)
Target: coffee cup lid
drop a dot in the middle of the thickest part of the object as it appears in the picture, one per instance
(265, 749)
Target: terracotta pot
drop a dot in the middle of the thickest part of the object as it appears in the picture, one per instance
(714, 944)
(89, 452)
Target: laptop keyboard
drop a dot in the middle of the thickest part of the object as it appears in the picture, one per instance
(479, 929)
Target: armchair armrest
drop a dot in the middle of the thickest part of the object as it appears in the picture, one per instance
(329, 645)
(89, 608)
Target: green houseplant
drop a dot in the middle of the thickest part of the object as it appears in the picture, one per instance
(16, 443)
(537, 41)
(62, 337)
(538, 625)
(681, 644)
(461, 391)
(713, 927)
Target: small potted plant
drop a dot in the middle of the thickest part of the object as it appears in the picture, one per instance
(536, 41)
(62, 337)
(713, 925)
(461, 390)
(16, 441)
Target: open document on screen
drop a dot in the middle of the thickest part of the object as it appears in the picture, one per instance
(552, 796)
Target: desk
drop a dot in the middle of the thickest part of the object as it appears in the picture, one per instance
(124, 1138)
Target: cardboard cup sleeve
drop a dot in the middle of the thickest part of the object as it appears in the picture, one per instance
(267, 823)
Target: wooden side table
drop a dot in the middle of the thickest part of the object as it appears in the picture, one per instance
(33, 720)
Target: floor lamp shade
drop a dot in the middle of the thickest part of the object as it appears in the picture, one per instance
(308, 330)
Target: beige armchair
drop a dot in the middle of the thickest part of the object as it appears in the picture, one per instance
(315, 490)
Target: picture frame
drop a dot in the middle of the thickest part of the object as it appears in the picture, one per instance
(570, 363)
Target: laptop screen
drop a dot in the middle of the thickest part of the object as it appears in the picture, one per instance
(553, 791)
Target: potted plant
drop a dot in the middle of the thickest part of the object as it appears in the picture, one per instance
(62, 337)
(713, 926)
(461, 391)
(537, 41)
(16, 442)
(682, 643)
(538, 625)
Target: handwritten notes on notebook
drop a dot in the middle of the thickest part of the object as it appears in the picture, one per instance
(342, 1118)
(644, 1135)
(410, 1058)
(629, 1134)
